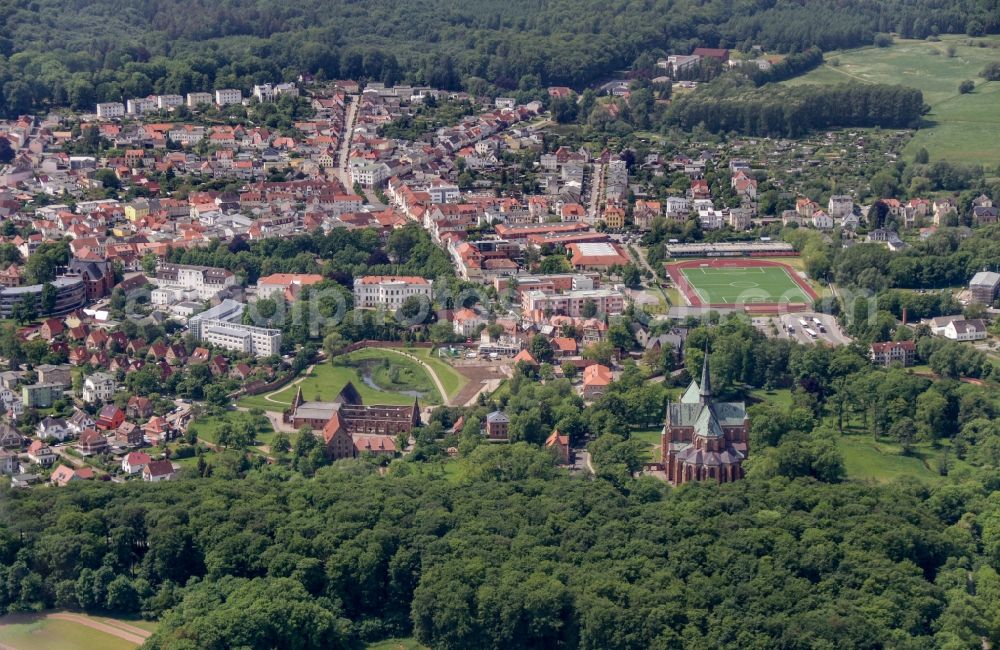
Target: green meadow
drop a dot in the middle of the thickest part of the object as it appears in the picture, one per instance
(961, 128)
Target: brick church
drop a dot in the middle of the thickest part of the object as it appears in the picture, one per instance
(704, 439)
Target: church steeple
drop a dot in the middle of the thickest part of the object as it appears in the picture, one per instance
(706, 381)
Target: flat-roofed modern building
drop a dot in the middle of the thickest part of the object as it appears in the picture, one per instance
(228, 310)
(258, 341)
(571, 303)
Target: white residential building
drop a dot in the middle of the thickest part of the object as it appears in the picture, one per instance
(79, 422)
(678, 208)
(840, 205)
(135, 461)
(966, 330)
(228, 96)
(390, 291)
(51, 427)
(158, 470)
(140, 105)
(371, 175)
(109, 110)
(166, 102)
(267, 92)
(822, 220)
(263, 92)
(248, 339)
(711, 219)
(99, 387)
(466, 321)
(205, 281)
(194, 99)
(679, 62)
(41, 454)
(442, 192)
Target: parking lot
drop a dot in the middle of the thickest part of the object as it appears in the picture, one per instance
(789, 326)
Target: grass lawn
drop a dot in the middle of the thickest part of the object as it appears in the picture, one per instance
(503, 390)
(868, 460)
(396, 644)
(796, 262)
(452, 380)
(652, 438)
(394, 375)
(781, 398)
(673, 295)
(33, 633)
(732, 285)
(451, 469)
(328, 379)
(962, 128)
(865, 459)
(208, 426)
(149, 626)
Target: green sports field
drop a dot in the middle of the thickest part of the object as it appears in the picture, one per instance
(743, 285)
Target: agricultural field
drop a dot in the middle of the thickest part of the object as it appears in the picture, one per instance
(961, 128)
(64, 631)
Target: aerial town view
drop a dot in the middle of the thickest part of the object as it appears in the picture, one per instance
(477, 325)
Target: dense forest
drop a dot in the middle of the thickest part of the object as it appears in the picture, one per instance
(525, 558)
(731, 105)
(339, 254)
(77, 53)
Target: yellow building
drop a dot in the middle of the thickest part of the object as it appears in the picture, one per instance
(137, 210)
(614, 217)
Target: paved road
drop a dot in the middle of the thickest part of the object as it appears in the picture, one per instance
(655, 282)
(833, 335)
(345, 146)
(60, 451)
(596, 193)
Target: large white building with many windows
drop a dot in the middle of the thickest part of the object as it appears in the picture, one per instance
(108, 110)
(205, 281)
(166, 102)
(370, 175)
(227, 96)
(389, 291)
(197, 98)
(140, 105)
(268, 92)
(258, 341)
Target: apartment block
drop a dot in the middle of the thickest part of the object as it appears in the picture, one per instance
(258, 341)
